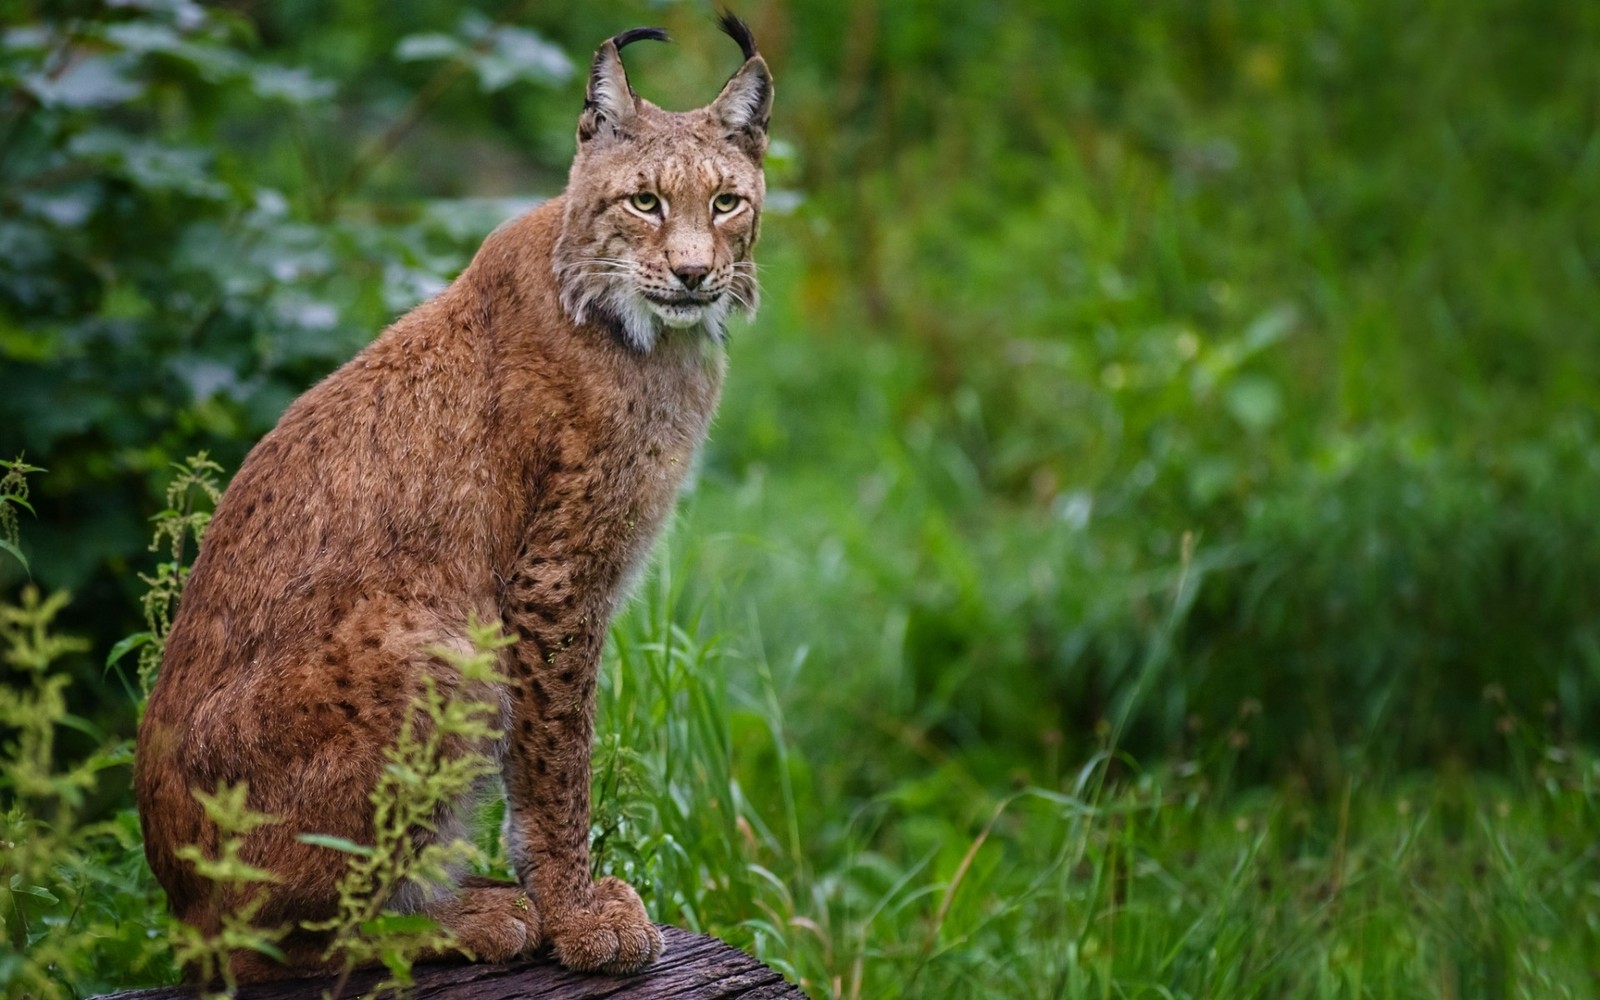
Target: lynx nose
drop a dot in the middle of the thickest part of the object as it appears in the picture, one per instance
(691, 274)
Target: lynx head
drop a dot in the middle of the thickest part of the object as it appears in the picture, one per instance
(663, 207)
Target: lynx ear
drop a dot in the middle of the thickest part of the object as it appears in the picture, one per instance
(610, 101)
(745, 104)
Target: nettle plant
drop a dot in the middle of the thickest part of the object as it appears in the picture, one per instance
(420, 779)
(75, 905)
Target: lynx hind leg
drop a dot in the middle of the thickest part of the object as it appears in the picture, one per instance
(492, 921)
(304, 953)
(616, 936)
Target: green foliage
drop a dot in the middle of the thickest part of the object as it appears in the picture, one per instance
(32, 648)
(179, 262)
(73, 893)
(670, 816)
(14, 494)
(498, 53)
(1095, 880)
(75, 900)
(196, 478)
(1178, 291)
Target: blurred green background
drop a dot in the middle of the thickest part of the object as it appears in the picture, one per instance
(1209, 387)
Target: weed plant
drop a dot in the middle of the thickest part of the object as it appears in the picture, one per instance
(76, 903)
(206, 957)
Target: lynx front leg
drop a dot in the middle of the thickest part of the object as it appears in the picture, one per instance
(591, 925)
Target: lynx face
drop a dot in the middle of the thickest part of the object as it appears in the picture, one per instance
(664, 207)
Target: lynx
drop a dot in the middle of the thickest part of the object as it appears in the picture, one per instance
(508, 450)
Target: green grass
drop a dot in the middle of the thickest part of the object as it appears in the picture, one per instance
(1092, 877)
(1107, 879)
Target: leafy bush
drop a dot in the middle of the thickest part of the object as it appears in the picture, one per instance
(161, 291)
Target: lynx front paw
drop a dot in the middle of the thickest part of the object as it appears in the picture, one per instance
(615, 935)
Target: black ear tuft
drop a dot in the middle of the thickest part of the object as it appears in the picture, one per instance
(610, 102)
(639, 34)
(739, 32)
(745, 103)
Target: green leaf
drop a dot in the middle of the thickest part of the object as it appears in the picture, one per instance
(153, 166)
(16, 554)
(430, 45)
(36, 891)
(292, 85)
(519, 54)
(1255, 401)
(127, 646)
(399, 923)
(1211, 476)
(335, 843)
(93, 82)
(269, 949)
(1269, 328)
(83, 726)
(225, 869)
(144, 37)
(27, 38)
(399, 965)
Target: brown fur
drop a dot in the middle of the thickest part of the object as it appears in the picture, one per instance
(508, 450)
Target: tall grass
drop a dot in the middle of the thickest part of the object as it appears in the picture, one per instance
(1107, 879)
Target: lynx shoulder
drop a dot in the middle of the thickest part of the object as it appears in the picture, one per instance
(507, 452)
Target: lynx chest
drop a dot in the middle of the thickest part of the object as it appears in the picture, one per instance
(605, 478)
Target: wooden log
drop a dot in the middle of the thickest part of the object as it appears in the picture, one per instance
(694, 967)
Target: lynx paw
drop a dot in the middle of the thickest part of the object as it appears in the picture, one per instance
(614, 936)
(491, 923)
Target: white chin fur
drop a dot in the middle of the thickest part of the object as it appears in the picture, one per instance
(678, 317)
(642, 320)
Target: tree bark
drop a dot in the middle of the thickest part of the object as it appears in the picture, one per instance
(694, 967)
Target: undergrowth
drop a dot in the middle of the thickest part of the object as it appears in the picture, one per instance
(1108, 879)
(75, 904)
(1104, 879)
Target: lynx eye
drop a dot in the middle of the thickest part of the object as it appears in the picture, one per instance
(645, 202)
(724, 203)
